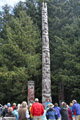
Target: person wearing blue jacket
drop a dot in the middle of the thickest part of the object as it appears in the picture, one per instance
(58, 109)
(51, 113)
(76, 109)
(15, 112)
(1, 107)
(44, 115)
(47, 103)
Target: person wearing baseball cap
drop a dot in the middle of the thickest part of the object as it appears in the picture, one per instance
(37, 110)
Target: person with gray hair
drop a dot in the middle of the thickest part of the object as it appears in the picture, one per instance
(64, 112)
(76, 109)
(23, 111)
(10, 114)
(24, 104)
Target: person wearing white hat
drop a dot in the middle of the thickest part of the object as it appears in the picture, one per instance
(37, 110)
(36, 100)
(51, 113)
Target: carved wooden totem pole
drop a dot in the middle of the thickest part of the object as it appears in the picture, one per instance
(46, 79)
(31, 92)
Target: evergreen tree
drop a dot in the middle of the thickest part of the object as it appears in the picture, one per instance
(64, 34)
(21, 60)
(20, 48)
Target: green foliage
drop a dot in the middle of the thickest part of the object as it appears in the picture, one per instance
(20, 57)
(64, 35)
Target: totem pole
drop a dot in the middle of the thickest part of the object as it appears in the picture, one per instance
(46, 79)
(31, 92)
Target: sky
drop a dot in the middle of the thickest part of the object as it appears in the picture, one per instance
(9, 2)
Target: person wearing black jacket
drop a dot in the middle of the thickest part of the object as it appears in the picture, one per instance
(64, 112)
(4, 110)
(10, 114)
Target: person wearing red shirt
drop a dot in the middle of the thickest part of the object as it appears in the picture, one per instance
(14, 105)
(37, 110)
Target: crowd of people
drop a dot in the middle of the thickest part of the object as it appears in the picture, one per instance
(37, 111)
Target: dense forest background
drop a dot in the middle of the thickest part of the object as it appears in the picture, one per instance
(21, 49)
